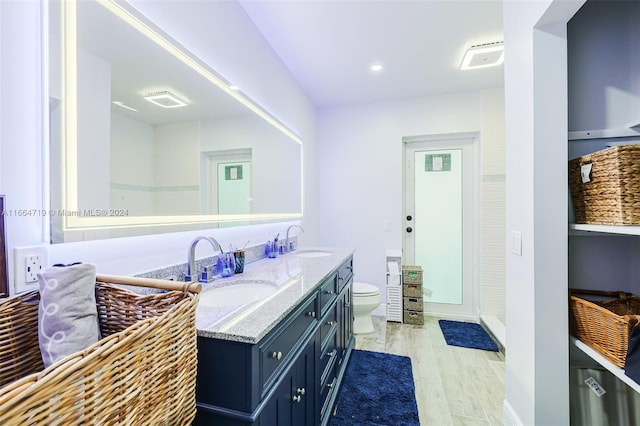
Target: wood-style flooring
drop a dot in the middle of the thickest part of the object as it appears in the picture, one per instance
(454, 385)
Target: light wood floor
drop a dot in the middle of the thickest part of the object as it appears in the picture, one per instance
(454, 386)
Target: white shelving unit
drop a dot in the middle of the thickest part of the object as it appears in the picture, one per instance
(576, 229)
(394, 285)
(605, 363)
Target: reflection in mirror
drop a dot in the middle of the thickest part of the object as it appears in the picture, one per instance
(145, 138)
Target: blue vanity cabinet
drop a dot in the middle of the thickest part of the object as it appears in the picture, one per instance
(291, 376)
(337, 344)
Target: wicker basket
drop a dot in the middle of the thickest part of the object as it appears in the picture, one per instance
(142, 372)
(411, 317)
(414, 304)
(412, 290)
(604, 324)
(612, 196)
(411, 274)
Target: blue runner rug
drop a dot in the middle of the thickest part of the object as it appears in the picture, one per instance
(467, 335)
(377, 390)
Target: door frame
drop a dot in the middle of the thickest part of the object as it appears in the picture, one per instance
(209, 161)
(451, 141)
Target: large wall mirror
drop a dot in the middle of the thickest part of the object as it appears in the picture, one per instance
(146, 138)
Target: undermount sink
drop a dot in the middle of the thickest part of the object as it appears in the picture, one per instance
(313, 253)
(237, 294)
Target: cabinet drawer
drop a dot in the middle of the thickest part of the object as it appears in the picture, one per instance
(329, 324)
(328, 293)
(327, 355)
(326, 391)
(344, 273)
(276, 352)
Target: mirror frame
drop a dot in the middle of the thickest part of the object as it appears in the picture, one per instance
(103, 219)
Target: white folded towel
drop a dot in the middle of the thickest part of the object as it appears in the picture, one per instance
(67, 314)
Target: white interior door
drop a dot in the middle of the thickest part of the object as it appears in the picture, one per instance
(439, 221)
(227, 182)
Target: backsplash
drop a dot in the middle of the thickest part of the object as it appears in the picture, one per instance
(252, 254)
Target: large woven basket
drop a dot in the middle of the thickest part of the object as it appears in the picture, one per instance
(605, 321)
(612, 196)
(142, 371)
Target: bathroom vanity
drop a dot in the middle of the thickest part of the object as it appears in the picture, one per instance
(278, 359)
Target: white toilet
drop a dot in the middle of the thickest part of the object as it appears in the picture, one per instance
(366, 297)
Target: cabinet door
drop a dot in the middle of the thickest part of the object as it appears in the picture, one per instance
(303, 387)
(293, 403)
(345, 318)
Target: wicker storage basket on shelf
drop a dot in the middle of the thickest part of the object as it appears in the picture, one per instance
(604, 324)
(142, 371)
(612, 196)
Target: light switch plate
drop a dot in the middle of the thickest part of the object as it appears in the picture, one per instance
(516, 243)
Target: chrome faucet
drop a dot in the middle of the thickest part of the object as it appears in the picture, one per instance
(287, 247)
(207, 274)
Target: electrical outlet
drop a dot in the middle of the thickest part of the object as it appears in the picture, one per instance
(27, 261)
(32, 265)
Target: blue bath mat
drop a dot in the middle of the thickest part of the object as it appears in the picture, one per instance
(467, 335)
(377, 390)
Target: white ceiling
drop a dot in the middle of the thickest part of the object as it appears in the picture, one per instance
(329, 45)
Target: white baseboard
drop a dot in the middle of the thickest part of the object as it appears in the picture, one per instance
(509, 416)
(496, 327)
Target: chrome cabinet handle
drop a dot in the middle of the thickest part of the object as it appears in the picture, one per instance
(297, 398)
(300, 391)
(311, 314)
(333, 383)
(277, 355)
(329, 292)
(333, 353)
(347, 304)
(341, 278)
(331, 322)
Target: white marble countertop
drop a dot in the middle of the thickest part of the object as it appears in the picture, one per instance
(295, 277)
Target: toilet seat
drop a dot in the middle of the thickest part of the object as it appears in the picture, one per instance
(364, 289)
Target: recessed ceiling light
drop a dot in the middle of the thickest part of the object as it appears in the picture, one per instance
(122, 105)
(483, 56)
(165, 99)
(376, 67)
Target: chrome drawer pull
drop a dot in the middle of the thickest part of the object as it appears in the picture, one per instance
(333, 383)
(331, 322)
(297, 398)
(277, 355)
(329, 292)
(311, 314)
(300, 391)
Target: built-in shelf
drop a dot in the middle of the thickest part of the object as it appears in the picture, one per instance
(603, 229)
(605, 363)
(628, 130)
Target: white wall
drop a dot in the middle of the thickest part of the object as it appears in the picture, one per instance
(132, 165)
(360, 158)
(493, 207)
(21, 106)
(223, 36)
(536, 144)
(177, 168)
(94, 129)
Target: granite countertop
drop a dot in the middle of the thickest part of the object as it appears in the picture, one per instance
(294, 276)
